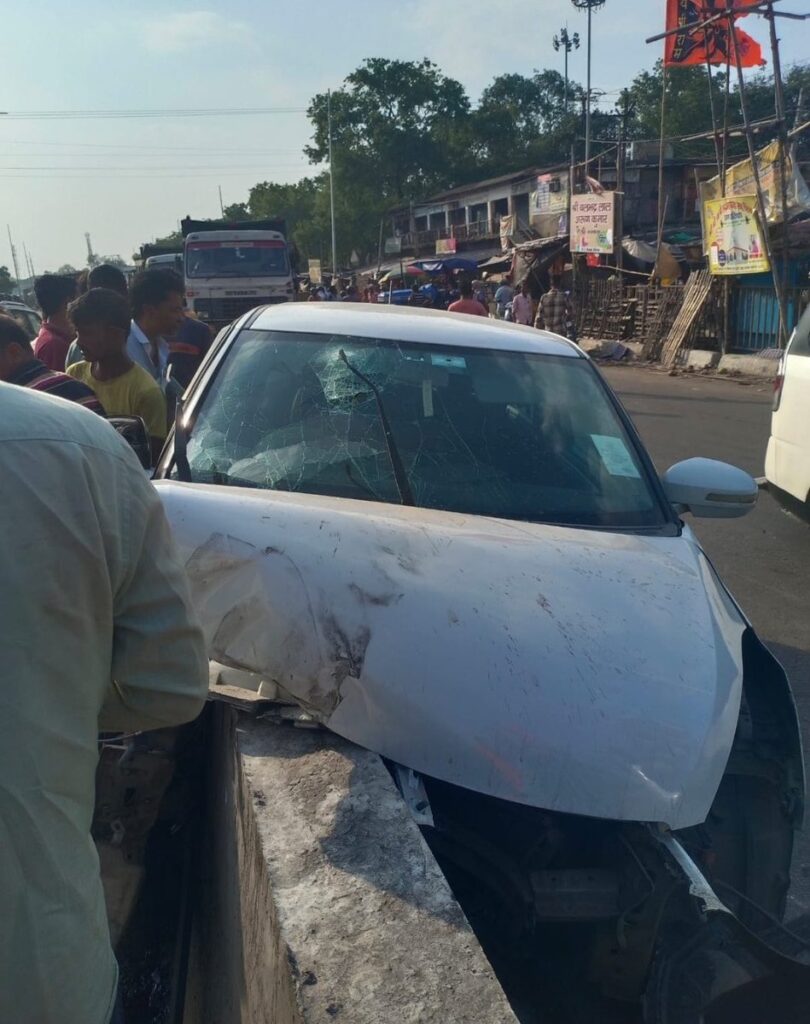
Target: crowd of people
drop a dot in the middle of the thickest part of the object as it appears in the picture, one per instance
(119, 350)
(552, 311)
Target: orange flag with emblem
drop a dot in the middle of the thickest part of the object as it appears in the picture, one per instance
(694, 45)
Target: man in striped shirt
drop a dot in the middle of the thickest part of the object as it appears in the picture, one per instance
(19, 365)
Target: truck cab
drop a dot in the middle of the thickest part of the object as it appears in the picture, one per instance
(231, 269)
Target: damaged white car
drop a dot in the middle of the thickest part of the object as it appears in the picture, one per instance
(440, 537)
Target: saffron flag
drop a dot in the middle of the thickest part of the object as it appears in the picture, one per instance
(713, 42)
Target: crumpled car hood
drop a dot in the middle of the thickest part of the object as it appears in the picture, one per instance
(583, 672)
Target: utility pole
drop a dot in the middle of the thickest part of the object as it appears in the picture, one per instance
(14, 261)
(626, 111)
(331, 182)
(779, 105)
(590, 6)
(221, 205)
(566, 42)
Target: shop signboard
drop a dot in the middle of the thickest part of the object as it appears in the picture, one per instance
(734, 237)
(592, 220)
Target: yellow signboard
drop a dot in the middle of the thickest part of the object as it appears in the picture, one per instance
(740, 181)
(592, 219)
(734, 237)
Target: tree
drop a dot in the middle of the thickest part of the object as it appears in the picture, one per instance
(67, 269)
(6, 281)
(394, 125)
(523, 120)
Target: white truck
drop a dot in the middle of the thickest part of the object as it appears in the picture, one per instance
(232, 266)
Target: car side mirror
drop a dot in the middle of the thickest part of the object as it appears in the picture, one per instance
(710, 489)
(134, 432)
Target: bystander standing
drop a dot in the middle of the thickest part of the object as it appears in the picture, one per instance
(522, 307)
(467, 304)
(503, 296)
(554, 312)
(53, 294)
(98, 633)
(101, 319)
(19, 365)
(105, 275)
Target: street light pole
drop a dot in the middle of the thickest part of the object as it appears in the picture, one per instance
(566, 43)
(590, 6)
(331, 182)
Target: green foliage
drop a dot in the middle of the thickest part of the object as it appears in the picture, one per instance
(6, 281)
(402, 130)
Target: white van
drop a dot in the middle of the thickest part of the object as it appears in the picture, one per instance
(787, 462)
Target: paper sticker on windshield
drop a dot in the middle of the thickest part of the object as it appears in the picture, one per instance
(453, 362)
(615, 456)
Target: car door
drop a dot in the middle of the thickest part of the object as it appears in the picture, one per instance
(789, 465)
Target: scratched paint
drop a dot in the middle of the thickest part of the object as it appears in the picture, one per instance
(582, 672)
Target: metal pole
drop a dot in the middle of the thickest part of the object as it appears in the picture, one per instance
(763, 219)
(588, 101)
(221, 206)
(620, 158)
(331, 182)
(14, 260)
(661, 204)
(779, 104)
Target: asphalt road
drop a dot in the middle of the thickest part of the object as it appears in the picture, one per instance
(764, 558)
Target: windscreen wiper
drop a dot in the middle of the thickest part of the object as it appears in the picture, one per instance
(400, 476)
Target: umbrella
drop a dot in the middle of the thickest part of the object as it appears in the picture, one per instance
(444, 265)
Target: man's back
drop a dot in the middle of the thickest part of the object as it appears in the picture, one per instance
(93, 594)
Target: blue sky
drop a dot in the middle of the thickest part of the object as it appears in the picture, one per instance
(128, 180)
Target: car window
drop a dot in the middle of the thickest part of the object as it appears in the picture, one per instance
(800, 342)
(508, 434)
(28, 320)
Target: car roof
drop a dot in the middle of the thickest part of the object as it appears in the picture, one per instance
(398, 323)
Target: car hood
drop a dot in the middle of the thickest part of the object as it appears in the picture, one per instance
(585, 672)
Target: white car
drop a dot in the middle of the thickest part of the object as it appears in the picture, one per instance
(787, 462)
(441, 537)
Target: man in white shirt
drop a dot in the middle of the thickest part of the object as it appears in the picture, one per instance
(158, 308)
(97, 633)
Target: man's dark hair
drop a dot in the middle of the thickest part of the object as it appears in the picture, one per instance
(53, 292)
(107, 276)
(11, 333)
(466, 289)
(151, 287)
(100, 306)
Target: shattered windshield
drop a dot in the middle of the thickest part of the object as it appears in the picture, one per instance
(510, 434)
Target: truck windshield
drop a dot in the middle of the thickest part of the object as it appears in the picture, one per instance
(265, 258)
(495, 433)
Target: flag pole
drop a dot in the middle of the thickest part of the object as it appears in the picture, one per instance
(662, 207)
(763, 218)
(779, 107)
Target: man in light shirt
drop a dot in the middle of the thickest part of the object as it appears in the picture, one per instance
(157, 298)
(522, 306)
(97, 634)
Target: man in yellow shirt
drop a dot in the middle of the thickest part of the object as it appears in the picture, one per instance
(102, 321)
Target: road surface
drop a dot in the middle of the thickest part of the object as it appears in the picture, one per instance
(764, 558)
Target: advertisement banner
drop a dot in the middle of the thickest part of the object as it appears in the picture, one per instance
(445, 246)
(550, 195)
(592, 219)
(393, 245)
(740, 182)
(734, 236)
(314, 268)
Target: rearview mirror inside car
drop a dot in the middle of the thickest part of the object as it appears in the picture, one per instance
(710, 489)
(133, 430)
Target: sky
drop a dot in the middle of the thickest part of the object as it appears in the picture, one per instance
(126, 180)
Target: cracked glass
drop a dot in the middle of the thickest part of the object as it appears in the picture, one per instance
(489, 432)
